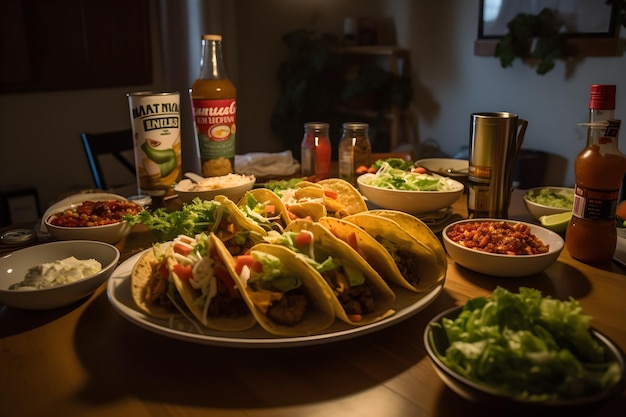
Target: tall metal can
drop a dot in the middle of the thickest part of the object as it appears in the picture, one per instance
(155, 118)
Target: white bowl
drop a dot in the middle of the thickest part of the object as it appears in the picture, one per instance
(436, 342)
(13, 268)
(233, 193)
(110, 233)
(412, 202)
(502, 265)
(440, 166)
(537, 210)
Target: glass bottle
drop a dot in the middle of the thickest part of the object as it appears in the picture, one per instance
(315, 150)
(591, 234)
(214, 105)
(355, 150)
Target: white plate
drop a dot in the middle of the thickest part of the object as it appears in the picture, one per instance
(118, 290)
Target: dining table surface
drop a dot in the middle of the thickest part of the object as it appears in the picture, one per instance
(88, 360)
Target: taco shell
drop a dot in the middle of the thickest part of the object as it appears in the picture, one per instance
(371, 250)
(431, 270)
(145, 284)
(189, 296)
(418, 230)
(383, 294)
(349, 200)
(319, 315)
(266, 196)
(308, 209)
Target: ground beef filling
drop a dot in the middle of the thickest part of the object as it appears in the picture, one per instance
(408, 264)
(223, 305)
(290, 309)
(358, 300)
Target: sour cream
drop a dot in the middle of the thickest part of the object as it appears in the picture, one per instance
(55, 273)
(214, 183)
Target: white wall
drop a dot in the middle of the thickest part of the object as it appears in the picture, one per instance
(40, 131)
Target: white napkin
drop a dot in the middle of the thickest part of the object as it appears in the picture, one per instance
(262, 164)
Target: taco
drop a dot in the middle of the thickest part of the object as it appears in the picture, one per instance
(283, 293)
(152, 289)
(265, 208)
(341, 198)
(418, 264)
(307, 210)
(418, 230)
(205, 284)
(360, 295)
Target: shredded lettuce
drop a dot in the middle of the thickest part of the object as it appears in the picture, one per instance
(528, 346)
(272, 274)
(392, 178)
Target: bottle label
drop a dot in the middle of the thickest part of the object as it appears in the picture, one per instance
(595, 204)
(216, 129)
(156, 129)
(346, 165)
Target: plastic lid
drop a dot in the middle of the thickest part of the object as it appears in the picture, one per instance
(602, 97)
(211, 37)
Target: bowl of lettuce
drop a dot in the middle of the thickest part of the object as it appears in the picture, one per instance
(408, 191)
(525, 350)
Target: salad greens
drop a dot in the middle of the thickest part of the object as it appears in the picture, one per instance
(397, 163)
(528, 346)
(195, 217)
(392, 178)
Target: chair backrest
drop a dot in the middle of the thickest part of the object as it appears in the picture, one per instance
(108, 143)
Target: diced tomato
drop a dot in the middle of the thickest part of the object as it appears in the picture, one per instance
(621, 210)
(419, 170)
(270, 208)
(249, 261)
(361, 170)
(182, 249)
(352, 241)
(355, 317)
(303, 239)
(331, 194)
(291, 215)
(371, 170)
(183, 271)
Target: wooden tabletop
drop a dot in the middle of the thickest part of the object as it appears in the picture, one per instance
(88, 360)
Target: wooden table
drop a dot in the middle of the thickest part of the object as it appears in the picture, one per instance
(87, 360)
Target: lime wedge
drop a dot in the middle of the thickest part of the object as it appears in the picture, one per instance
(556, 222)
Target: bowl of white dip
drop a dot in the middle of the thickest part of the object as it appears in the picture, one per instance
(56, 274)
(233, 186)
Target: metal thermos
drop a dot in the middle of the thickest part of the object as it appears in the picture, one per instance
(495, 140)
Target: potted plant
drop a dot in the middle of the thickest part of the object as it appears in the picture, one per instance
(536, 39)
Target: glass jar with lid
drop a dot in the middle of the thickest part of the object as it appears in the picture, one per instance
(315, 150)
(355, 150)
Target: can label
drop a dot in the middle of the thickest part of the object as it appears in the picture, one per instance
(595, 204)
(216, 128)
(155, 120)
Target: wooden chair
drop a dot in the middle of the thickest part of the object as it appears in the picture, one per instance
(114, 144)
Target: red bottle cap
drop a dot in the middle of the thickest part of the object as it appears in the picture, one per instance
(602, 97)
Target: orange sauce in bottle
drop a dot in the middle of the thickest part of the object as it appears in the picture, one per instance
(591, 234)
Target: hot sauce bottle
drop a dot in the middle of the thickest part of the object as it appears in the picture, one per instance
(591, 235)
(214, 106)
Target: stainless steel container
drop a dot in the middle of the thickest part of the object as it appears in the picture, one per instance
(495, 140)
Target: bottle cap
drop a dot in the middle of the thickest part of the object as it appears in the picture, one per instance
(602, 97)
(211, 37)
